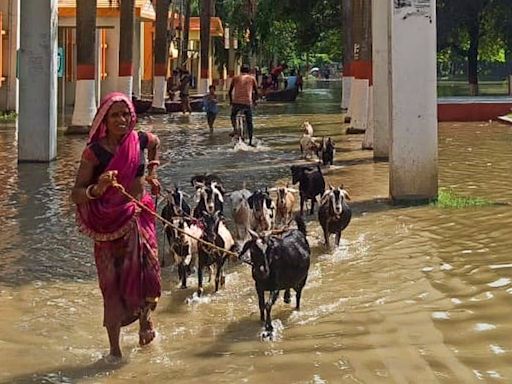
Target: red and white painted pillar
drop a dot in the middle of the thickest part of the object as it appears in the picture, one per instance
(85, 91)
(126, 39)
(347, 56)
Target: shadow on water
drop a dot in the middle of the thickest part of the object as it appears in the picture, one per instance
(67, 374)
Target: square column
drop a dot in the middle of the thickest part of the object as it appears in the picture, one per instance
(37, 122)
(413, 156)
(381, 78)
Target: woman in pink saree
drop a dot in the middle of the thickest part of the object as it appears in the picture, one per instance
(125, 244)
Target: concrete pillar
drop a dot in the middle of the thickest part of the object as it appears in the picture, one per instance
(126, 41)
(161, 56)
(381, 78)
(138, 57)
(14, 44)
(112, 64)
(413, 156)
(347, 55)
(37, 122)
(510, 85)
(231, 61)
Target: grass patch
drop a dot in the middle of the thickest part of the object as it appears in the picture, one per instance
(447, 198)
(8, 117)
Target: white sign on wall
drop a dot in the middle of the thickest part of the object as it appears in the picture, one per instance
(407, 8)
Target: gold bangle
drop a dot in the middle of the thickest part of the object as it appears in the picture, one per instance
(88, 192)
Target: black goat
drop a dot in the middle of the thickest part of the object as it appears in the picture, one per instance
(326, 151)
(334, 214)
(311, 184)
(279, 262)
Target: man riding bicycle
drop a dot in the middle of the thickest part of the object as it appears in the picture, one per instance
(245, 95)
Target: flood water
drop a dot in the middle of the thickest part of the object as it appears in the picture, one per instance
(412, 295)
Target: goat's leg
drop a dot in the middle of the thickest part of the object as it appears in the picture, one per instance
(182, 273)
(268, 308)
(261, 302)
(301, 204)
(286, 297)
(338, 237)
(312, 206)
(217, 276)
(298, 293)
(199, 278)
(326, 235)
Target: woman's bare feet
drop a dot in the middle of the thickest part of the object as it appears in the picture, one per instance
(146, 332)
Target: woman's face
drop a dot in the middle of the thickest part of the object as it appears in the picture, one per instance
(118, 119)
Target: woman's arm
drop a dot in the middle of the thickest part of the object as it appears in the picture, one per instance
(153, 163)
(83, 181)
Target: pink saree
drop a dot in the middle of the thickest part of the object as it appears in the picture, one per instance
(125, 248)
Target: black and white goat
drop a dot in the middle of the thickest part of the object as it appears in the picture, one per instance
(176, 204)
(214, 232)
(334, 213)
(183, 247)
(311, 184)
(209, 198)
(279, 262)
(263, 211)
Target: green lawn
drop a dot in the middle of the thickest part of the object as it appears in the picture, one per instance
(461, 88)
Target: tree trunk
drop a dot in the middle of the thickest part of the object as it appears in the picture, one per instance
(161, 55)
(474, 36)
(126, 34)
(186, 30)
(205, 45)
(85, 91)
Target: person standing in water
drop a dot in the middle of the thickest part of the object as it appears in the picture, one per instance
(210, 106)
(125, 242)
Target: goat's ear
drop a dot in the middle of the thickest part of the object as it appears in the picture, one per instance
(197, 196)
(273, 189)
(345, 193)
(331, 187)
(325, 196)
(185, 194)
(250, 200)
(254, 235)
(292, 190)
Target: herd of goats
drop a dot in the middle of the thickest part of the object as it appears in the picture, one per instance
(279, 253)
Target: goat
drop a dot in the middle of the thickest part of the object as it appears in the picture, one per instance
(311, 183)
(241, 212)
(326, 151)
(262, 208)
(183, 248)
(308, 146)
(334, 214)
(214, 232)
(307, 128)
(285, 202)
(206, 179)
(209, 198)
(279, 263)
(176, 204)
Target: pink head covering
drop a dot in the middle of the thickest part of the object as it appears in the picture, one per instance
(109, 216)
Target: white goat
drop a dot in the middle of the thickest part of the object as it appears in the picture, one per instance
(241, 212)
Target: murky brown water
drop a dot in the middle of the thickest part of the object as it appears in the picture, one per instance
(413, 294)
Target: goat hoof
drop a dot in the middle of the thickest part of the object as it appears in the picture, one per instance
(183, 287)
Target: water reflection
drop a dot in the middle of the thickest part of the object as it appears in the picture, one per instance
(413, 294)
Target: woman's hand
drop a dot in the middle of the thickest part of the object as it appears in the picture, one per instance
(154, 184)
(106, 180)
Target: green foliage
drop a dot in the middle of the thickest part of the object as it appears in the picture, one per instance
(447, 198)
(8, 117)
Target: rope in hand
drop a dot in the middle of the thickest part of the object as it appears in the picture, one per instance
(121, 189)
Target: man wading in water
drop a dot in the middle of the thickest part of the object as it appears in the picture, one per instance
(245, 95)
(125, 243)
